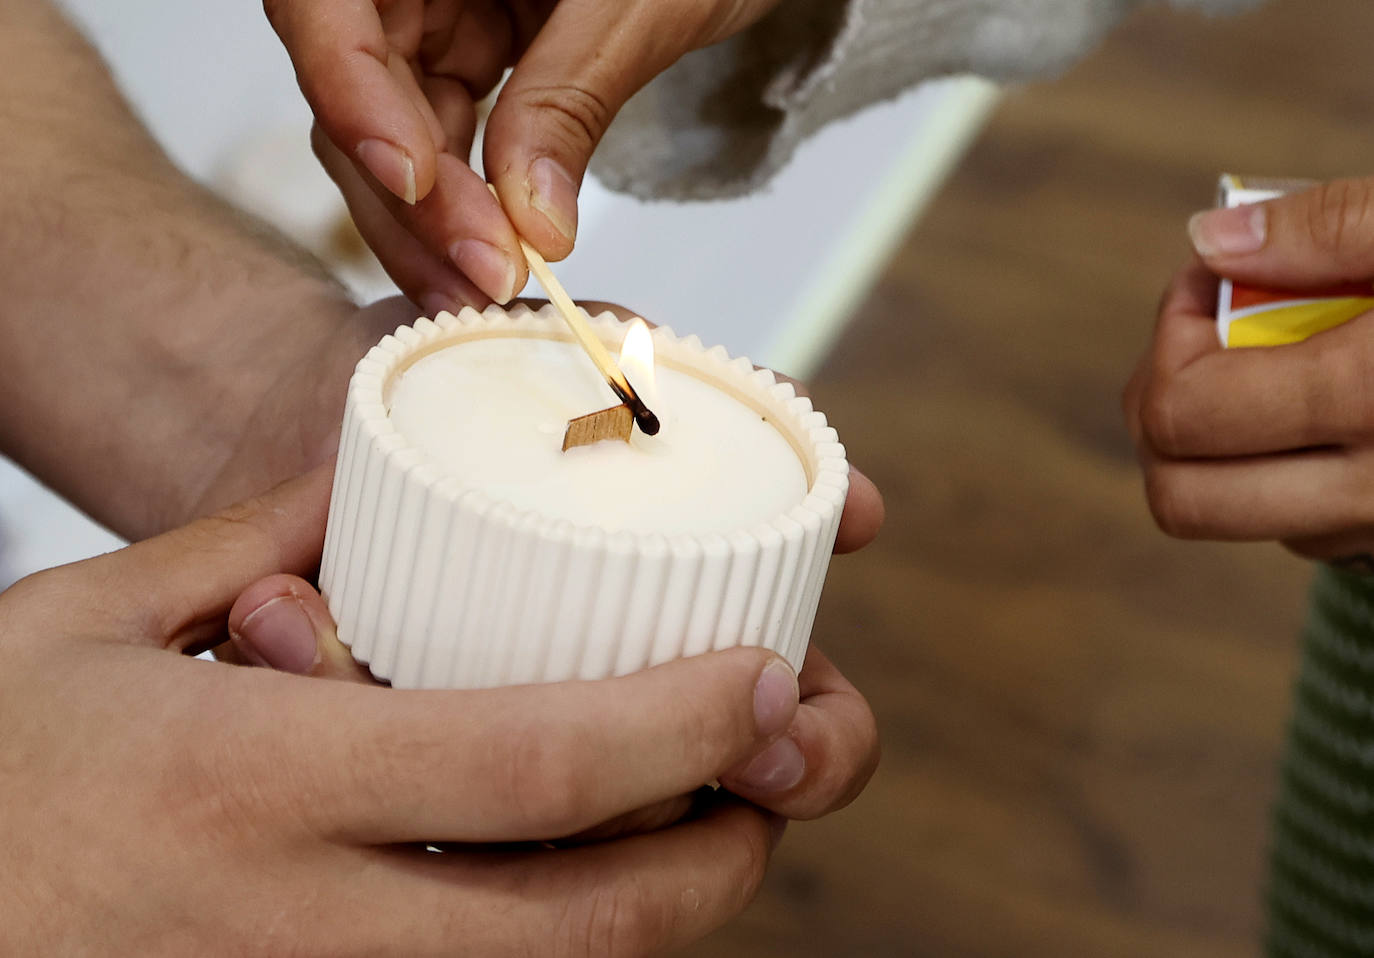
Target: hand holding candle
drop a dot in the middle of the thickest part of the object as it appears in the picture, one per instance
(827, 755)
(822, 762)
(312, 802)
(818, 766)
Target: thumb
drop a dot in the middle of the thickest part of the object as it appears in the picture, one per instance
(1310, 240)
(586, 61)
(281, 622)
(174, 590)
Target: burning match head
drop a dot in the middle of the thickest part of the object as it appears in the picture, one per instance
(648, 422)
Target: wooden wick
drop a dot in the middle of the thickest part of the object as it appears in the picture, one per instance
(590, 342)
(613, 423)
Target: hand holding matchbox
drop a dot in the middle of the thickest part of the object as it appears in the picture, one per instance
(1276, 441)
(1249, 315)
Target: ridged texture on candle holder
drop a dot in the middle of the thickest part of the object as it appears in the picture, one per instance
(437, 586)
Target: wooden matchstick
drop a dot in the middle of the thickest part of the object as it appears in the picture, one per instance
(590, 341)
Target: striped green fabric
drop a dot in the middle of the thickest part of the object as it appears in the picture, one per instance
(1321, 883)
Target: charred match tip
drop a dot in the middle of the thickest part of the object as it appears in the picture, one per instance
(648, 422)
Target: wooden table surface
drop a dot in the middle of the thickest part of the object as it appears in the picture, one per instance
(1080, 717)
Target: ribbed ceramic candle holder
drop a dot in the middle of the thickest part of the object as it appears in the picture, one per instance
(435, 585)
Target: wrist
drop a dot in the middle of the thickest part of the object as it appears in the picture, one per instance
(247, 402)
(131, 408)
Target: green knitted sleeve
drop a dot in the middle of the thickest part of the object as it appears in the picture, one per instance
(1321, 884)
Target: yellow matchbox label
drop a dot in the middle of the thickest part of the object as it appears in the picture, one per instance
(1291, 322)
(1252, 316)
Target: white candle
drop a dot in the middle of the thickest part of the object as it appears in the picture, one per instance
(466, 550)
(491, 413)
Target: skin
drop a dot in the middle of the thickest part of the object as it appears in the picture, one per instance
(402, 76)
(308, 801)
(185, 354)
(165, 356)
(1265, 443)
(828, 754)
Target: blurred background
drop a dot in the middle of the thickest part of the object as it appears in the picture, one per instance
(1080, 717)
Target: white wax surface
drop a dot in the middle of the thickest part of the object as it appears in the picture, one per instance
(492, 412)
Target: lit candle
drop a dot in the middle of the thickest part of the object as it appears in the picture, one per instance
(466, 549)
(492, 413)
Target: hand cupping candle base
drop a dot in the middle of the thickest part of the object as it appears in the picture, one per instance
(465, 549)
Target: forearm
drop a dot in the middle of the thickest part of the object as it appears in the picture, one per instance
(125, 290)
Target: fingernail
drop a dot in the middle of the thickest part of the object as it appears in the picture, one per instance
(391, 165)
(775, 698)
(1232, 232)
(279, 635)
(487, 266)
(554, 194)
(776, 769)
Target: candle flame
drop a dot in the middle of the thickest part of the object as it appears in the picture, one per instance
(637, 361)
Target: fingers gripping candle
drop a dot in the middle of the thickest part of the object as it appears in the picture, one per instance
(466, 549)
